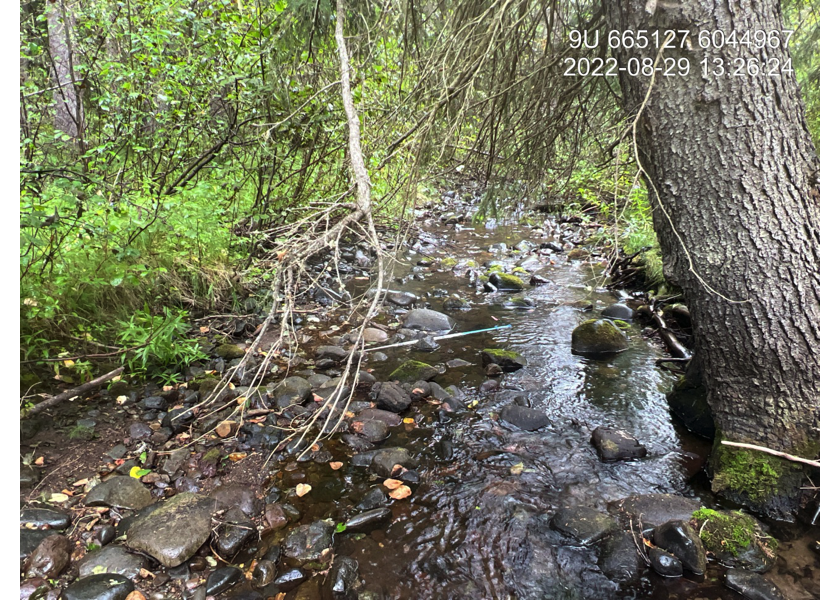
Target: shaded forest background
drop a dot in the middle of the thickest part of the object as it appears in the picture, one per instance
(166, 148)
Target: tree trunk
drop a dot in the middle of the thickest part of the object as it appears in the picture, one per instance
(69, 111)
(733, 178)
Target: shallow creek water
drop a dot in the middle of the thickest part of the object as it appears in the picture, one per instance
(477, 524)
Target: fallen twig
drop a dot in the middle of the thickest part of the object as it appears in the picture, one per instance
(813, 463)
(76, 391)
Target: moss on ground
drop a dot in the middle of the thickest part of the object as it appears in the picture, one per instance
(755, 474)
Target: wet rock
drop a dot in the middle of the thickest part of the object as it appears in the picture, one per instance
(735, 539)
(493, 370)
(678, 538)
(31, 538)
(537, 280)
(113, 559)
(117, 452)
(50, 558)
(506, 283)
(343, 579)
(372, 335)
(230, 351)
(413, 370)
(335, 353)
(264, 573)
(508, 360)
(34, 588)
(525, 418)
(236, 530)
(275, 516)
(616, 444)
(383, 461)
(456, 303)
(374, 498)
(293, 390)
(491, 385)
(175, 461)
(583, 524)
(374, 431)
(370, 519)
(519, 303)
(665, 563)
(621, 312)
(401, 298)
(44, 517)
(178, 419)
(356, 443)
(104, 586)
(29, 476)
(153, 403)
(390, 396)
(456, 363)
(752, 585)
(654, 509)
(238, 496)
(428, 320)
(309, 543)
(317, 380)
(288, 580)
(222, 580)
(378, 357)
(375, 414)
(598, 336)
(174, 529)
(426, 344)
(120, 492)
(139, 431)
(104, 534)
(619, 559)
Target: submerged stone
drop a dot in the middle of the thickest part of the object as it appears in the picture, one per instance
(428, 320)
(752, 585)
(507, 359)
(525, 418)
(506, 283)
(616, 444)
(413, 370)
(583, 524)
(678, 538)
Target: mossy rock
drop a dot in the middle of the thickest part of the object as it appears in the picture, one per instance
(230, 351)
(506, 282)
(577, 254)
(761, 483)
(413, 370)
(448, 262)
(735, 539)
(509, 361)
(597, 337)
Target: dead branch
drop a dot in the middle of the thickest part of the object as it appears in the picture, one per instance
(76, 391)
(799, 459)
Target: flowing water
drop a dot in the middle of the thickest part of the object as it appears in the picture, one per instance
(477, 524)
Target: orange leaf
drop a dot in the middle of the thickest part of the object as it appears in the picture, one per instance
(401, 492)
(408, 421)
(237, 456)
(39, 461)
(392, 484)
(335, 466)
(135, 595)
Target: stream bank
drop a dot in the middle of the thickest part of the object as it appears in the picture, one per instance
(509, 498)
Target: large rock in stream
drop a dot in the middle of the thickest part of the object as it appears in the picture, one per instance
(310, 543)
(120, 492)
(598, 337)
(653, 509)
(174, 530)
(428, 320)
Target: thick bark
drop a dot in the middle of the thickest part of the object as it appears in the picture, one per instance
(69, 109)
(736, 175)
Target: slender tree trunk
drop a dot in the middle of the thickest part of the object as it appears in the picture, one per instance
(69, 109)
(733, 178)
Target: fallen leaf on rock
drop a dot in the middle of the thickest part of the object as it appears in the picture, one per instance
(302, 489)
(237, 456)
(39, 461)
(336, 465)
(68, 492)
(146, 574)
(517, 469)
(242, 400)
(392, 484)
(122, 400)
(56, 497)
(401, 492)
(167, 388)
(135, 595)
(397, 470)
(408, 421)
(137, 472)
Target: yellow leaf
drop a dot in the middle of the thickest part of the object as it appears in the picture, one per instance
(392, 484)
(517, 469)
(302, 489)
(408, 421)
(59, 497)
(68, 363)
(401, 492)
(237, 456)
